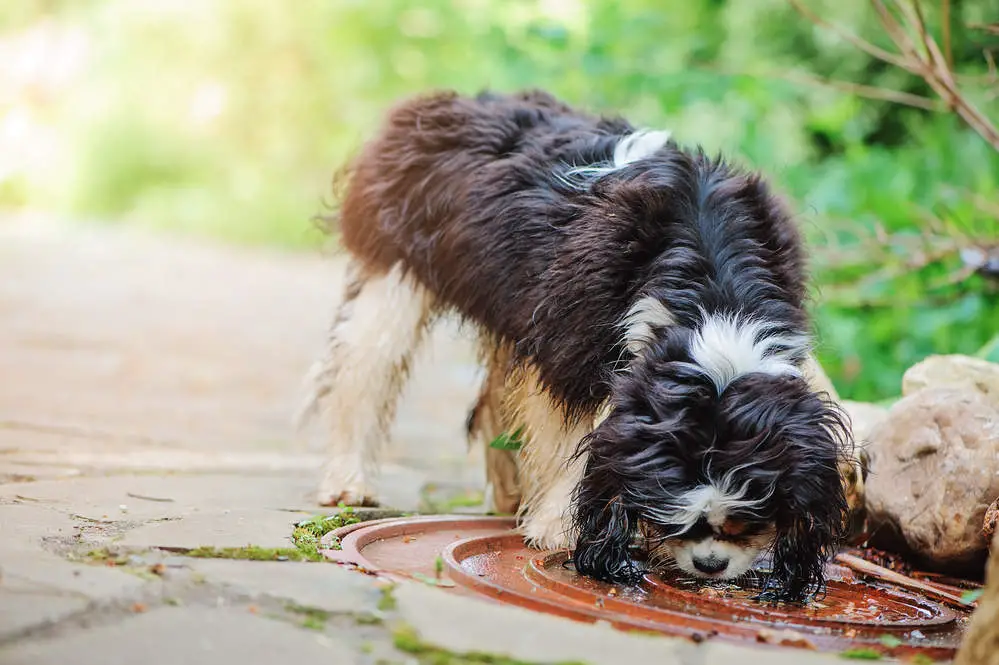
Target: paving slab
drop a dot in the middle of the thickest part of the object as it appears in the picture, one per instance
(42, 589)
(149, 496)
(322, 586)
(188, 635)
(159, 349)
(225, 528)
(24, 526)
(465, 624)
(39, 588)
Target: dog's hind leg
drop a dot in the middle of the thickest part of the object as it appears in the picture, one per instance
(355, 386)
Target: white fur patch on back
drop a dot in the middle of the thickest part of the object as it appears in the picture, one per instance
(641, 144)
(631, 148)
(728, 346)
(642, 319)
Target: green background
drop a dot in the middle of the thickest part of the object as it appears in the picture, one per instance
(227, 118)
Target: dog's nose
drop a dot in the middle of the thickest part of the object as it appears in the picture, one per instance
(710, 565)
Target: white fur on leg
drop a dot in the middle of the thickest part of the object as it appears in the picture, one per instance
(548, 478)
(358, 382)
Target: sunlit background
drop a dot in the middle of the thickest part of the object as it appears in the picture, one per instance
(226, 118)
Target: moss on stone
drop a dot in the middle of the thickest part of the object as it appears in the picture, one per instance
(253, 553)
(406, 640)
(308, 533)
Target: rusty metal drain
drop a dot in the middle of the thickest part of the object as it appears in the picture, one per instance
(482, 556)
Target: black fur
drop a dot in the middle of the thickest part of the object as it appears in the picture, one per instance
(476, 199)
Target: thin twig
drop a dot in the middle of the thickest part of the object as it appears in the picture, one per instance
(874, 570)
(945, 11)
(856, 40)
(931, 66)
(867, 91)
(991, 28)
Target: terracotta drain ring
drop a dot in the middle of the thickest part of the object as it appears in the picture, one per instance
(910, 611)
(482, 556)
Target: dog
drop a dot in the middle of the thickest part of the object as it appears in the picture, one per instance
(641, 309)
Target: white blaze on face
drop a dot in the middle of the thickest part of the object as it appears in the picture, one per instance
(715, 503)
(728, 346)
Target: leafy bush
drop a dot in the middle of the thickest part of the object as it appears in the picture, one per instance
(227, 117)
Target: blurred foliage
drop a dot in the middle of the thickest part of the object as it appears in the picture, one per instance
(227, 118)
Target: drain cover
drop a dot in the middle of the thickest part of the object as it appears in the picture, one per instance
(481, 555)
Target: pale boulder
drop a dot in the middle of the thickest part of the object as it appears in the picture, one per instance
(935, 471)
(953, 371)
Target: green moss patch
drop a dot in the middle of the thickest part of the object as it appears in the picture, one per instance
(308, 533)
(312, 617)
(406, 640)
(253, 553)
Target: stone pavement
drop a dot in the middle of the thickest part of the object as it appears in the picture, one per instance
(146, 386)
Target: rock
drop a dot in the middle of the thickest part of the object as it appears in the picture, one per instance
(953, 371)
(991, 516)
(981, 641)
(935, 470)
(864, 417)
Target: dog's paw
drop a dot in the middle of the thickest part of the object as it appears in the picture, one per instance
(549, 533)
(357, 496)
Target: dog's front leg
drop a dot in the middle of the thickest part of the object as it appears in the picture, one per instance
(549, 472)
(547, 511)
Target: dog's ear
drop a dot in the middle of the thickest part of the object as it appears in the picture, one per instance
(815, 510)
(604, 524)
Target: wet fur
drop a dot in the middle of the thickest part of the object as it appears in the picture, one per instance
(479, 203)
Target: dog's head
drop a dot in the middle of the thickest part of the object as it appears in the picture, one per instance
(714, 467)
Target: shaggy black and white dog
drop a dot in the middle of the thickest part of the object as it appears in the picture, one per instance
(641, 309)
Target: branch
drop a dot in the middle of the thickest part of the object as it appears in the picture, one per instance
(925, 60)
(945, 10)
(991, 28)
(867, 91)
(856, 40)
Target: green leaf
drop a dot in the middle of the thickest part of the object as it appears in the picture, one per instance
(506, 441)
(990, 351)
(968, 597)
(890, 641)
(862, 654)
(426, 579)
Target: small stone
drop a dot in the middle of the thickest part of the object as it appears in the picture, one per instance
(953, 371)
(991, 516)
